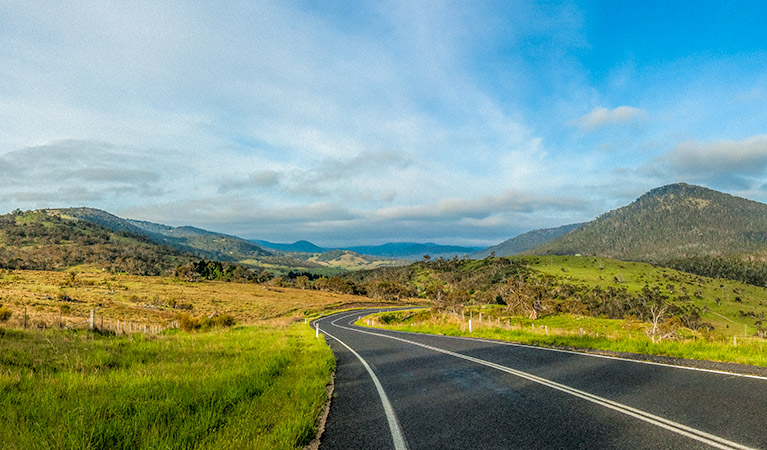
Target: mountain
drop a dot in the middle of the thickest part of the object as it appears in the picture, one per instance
(674, 221)
(413, 250)
(203, 243)
(299, 246)
(47, 240)
(525, 241)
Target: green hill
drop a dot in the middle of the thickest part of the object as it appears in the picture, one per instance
(196, 241)
(670, 222)
(46, 240)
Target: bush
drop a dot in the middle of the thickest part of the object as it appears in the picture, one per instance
(188, 323)
(224, 320)
(5, 314)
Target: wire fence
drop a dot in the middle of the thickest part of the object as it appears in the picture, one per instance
(94, 321)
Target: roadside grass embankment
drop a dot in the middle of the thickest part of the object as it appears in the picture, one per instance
(572, 331)
(259, 386)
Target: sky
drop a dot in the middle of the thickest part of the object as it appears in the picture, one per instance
(356, 122)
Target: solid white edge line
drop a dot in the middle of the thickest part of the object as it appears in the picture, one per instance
(398, 437)
(701, 436)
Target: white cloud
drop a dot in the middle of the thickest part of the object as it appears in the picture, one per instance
(739, 164)
(600, 117)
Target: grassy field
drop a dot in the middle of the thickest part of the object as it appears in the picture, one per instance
(246, 387)
(69, 296)
(575, 331)
(725, 315)
(260, 384)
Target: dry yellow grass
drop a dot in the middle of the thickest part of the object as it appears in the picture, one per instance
(150, 300)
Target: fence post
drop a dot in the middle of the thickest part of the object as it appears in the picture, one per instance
(469, 325)
(92, 322)
(25, 316)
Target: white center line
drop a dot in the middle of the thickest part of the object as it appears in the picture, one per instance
(398, 437)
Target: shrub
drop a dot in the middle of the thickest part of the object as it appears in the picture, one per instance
(5, 314)
(188, 323)
(224, 320)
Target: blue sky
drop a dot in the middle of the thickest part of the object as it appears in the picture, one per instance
(369, 122)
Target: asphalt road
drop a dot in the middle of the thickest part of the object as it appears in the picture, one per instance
(399, 390)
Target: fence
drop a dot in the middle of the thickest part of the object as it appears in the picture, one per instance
(94, 321)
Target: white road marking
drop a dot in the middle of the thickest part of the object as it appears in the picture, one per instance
(391, 417)
(698, 435)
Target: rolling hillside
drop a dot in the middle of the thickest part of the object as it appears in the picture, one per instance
(48, 241)
(198, 242)
(221, 247)
(670, 222)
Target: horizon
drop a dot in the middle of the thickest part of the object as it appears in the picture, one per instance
(375, 122)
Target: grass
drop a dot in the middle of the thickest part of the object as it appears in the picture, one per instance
(246, 387)
(258, 385)
(575, 331)
(149, 300)
(737, 310)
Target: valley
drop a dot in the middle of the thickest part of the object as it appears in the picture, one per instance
(677, 276)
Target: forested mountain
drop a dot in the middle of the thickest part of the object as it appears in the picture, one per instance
(46, 240)
(670, 223)
(525, 241)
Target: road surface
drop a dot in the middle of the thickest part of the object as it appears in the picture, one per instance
(397, 390)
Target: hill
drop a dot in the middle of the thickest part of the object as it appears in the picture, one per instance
(298, 246)
(201, 243)
(670, 222)
(232, 249)
(46, 240)
(525, 241)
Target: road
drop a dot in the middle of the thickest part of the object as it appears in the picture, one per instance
(396, 390)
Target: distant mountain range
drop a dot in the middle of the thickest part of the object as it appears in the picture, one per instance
(672, 222)
(398, 250)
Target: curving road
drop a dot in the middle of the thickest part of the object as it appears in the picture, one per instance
(399, 390)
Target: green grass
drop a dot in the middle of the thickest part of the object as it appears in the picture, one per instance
(680, 287)
(246, 387)
(575, 331)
